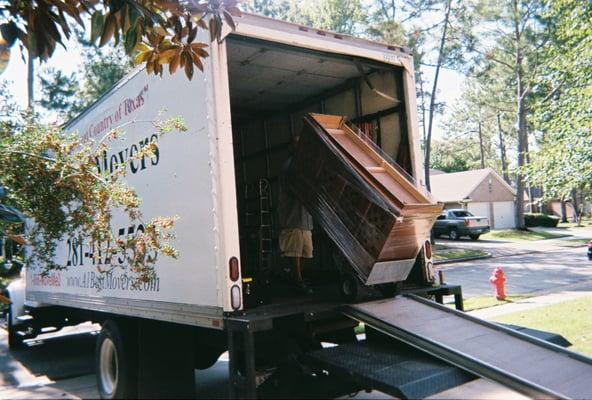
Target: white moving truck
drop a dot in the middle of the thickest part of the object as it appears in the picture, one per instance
(221, 178)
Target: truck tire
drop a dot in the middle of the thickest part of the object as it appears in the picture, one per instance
(15, 341)
(474, 237)
(453, 234)
(349, 287)
(116, 361)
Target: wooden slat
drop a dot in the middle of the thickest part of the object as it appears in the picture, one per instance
(394, 174)
(330, 121)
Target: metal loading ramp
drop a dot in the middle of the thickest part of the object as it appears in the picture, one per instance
(399, 371)
(528, 365)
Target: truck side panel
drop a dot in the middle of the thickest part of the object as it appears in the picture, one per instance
(177, 180)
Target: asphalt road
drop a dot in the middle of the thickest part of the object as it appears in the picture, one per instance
(551, 269)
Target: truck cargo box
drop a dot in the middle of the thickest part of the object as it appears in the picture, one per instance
(221, 176)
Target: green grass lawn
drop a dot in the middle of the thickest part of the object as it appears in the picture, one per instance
(586, 221)
(570, 319)
(449, 253)
(515, 235)
(574, 243)
(477, 303)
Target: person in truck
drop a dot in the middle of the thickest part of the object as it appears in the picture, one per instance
(296, 226)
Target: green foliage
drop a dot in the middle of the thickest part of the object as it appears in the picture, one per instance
(563, 159)
(455, 155)
(52, 178)
(478, 122)
(544, 220)
(60, 93)
(345, 16)
(278, 9)
(162, 31)
(68, 95)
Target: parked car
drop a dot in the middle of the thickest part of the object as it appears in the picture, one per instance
(459, 222)
(590, 250)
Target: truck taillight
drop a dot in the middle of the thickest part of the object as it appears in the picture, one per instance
(428, 249)
(234, 272)
(466, 222)
(235, 297)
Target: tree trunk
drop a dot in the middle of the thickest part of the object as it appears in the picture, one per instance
(575, 203)
(481, 147)
(433, 95)
(521, 117)
(563, 211)
(423, 121)
(30, 81)
(503, 150)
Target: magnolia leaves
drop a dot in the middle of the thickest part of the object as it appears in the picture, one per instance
(219, 10)
(157, 32)
(162, 33)
(173, 44)
(41, 25)
(178, 50)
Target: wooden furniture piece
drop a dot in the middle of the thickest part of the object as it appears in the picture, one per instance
(374, 214)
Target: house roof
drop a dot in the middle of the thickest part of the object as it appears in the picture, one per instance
(458, 186)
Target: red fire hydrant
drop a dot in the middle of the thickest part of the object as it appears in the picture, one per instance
(497, 279)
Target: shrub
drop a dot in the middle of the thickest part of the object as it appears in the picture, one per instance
(544, 220)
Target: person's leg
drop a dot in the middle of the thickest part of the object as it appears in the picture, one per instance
(298, 269)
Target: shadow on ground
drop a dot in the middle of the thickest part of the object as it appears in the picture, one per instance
(57, 357)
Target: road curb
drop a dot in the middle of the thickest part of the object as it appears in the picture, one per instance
(458, 260)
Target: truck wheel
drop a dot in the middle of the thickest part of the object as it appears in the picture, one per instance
(453, 234)
(116, 362)
(349, 287)
(15, 341)
(474, 237)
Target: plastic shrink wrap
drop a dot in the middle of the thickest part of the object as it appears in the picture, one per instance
(373, 213)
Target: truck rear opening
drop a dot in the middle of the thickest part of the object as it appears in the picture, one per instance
(272, 88)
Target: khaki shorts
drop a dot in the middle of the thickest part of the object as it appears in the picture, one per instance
(296, 243)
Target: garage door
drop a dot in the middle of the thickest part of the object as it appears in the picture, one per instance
(503, 214)
(479, 209)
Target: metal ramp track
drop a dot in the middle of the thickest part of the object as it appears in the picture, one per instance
(528, 365)
(398, 370)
